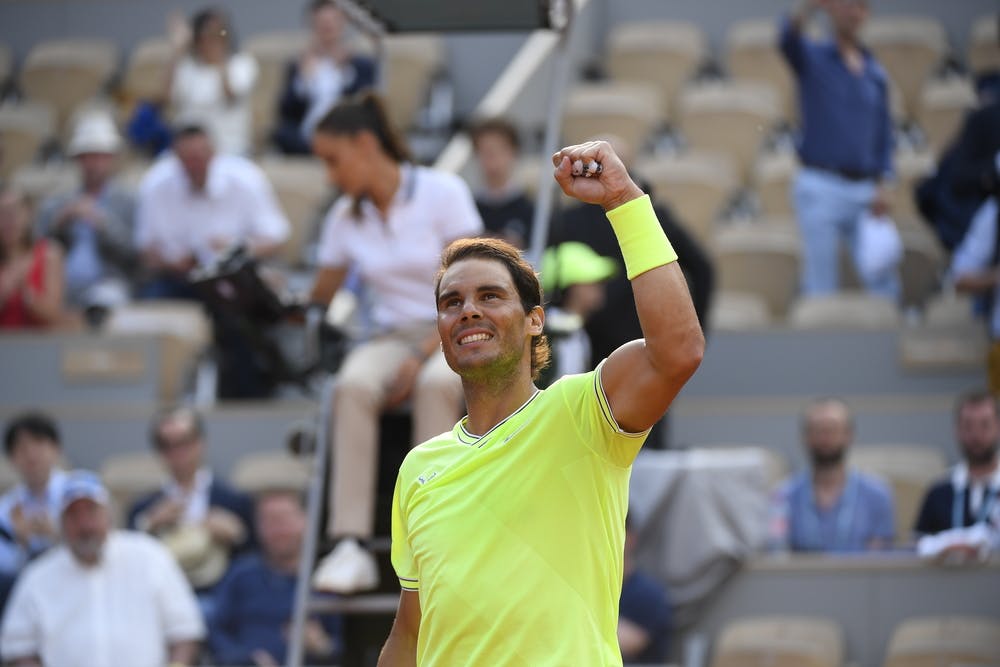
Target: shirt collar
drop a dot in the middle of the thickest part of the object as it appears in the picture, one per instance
(960, 477)
(202, 482)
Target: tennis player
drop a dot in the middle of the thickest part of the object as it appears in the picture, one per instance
(508, 531)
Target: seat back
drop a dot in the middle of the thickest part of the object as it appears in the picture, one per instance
(664, 54)
(943, 105)
(273, 52)
(933, 641)
(762, 259)
(984, 45)
(752, 55)
(738, 311)
(65, 73)
(411, 62)
(301, 188)
(773, 177)
(130, 476)
(909, 48)
(729, 117)
(844, 310)
(786, 641)
(627, 110)
(923, 265)
(24, 129)
(146, 70)
(270, 471)
(696, 185)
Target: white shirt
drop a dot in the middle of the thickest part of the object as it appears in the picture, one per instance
(975, 252)
(238, 203)
(197, 95)
(398, 257)
(12, 555)
(124, 611)
(323, 87)
(195, 501)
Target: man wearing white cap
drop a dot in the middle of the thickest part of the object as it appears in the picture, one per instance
(94, 224)
(103, 598)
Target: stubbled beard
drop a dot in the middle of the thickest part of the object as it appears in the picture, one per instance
(827, 460)
(980, 457)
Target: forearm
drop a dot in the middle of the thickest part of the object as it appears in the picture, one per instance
(183, 653)
(976, 283)
(399, 651)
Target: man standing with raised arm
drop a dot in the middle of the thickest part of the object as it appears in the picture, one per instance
(508, 531)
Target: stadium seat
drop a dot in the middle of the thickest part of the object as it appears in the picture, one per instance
(984, 45)
(773, 177)
(924, 262)
(410, 63)
(697, 186)
(146, 70)
(909, 48)
(911, 166)
(949, 309)
(776, 466)
(940, 347)
(8, 476)
(738, 311)
(270, 471)
(762, 259)
(939, 641)
(65, 73)
(909, 470)
(302, 189)
(186, 331)
(752, 55)
(273, 52)
(129, 476)
(780, 641)
(729, 117)
(844, 310)
(627, 110)
(38, 181)
(665, 54)
(943, 105)
(24, 129)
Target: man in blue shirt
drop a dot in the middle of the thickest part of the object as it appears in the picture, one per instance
(644, 613)
(845, 142)
(832, 508)
(253, 609)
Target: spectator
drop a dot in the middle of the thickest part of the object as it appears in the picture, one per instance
(31, 273)
(193, 498)
(644, 617)
(391, 223)
(209, 82)
(970, 497)
(832, 508)
(29, 512)
(103, 598)
(975, 268)
(507, 211)
(194, 204)
(325, 73)
(575, 276)
(94, 225)
(845, 144)
(254, 602)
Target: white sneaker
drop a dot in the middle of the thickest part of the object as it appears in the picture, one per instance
(347, 569)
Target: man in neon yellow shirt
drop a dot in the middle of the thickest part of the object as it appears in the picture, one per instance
(508, 532)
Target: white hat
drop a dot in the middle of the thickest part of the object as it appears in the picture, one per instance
(95, 132)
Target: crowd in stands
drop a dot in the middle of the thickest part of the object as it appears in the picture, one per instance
(204, 568)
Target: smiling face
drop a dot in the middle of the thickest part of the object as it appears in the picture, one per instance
(485, 332)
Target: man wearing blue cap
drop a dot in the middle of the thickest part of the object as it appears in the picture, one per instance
(103, 598)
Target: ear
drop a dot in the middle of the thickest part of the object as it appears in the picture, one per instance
(536, 321)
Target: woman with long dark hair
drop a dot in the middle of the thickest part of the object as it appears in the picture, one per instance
(31, 273)
(390, 225)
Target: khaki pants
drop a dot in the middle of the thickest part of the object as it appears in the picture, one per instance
(993, 368)
(362, 385)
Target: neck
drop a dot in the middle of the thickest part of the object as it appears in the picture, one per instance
(38, 487)
(490, 403)
(847, 42)
(386, 183)
(94, 187)
(185, 480)
(830, 478)
(497, 184)
(984, 471)
(285, 564)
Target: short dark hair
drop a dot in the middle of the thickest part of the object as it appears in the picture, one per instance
(200, 20)
(496, 125)
(529, 289)
(188, 130)
(366, 112)
(168, 414)
(37, 424)
(974, 397)
(317, 5)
